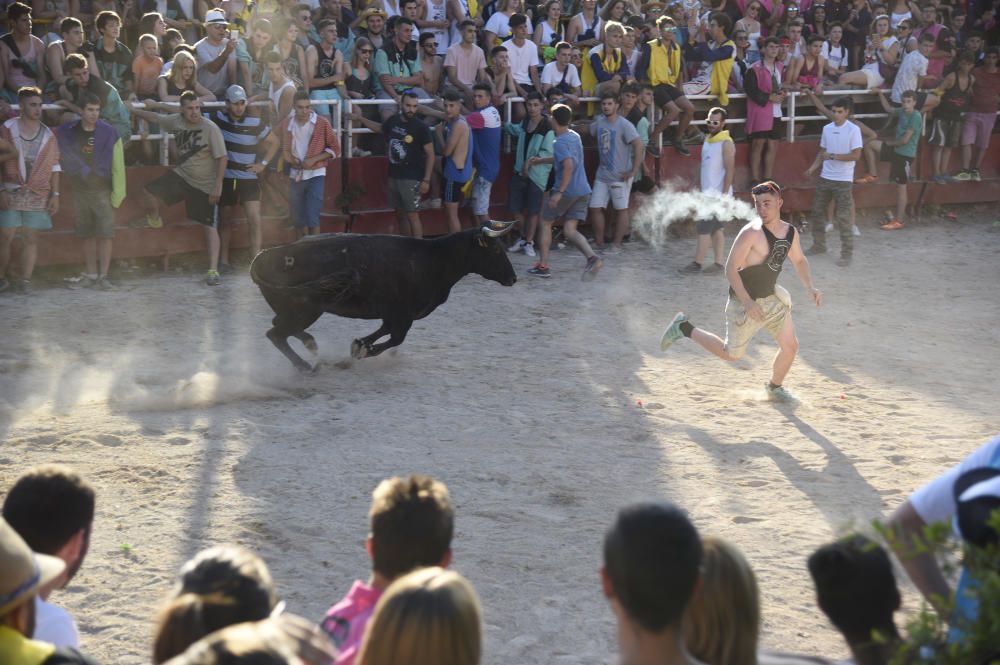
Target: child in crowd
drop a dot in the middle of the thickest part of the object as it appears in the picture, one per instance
(412, 521)
(899, 151)
(146, 67)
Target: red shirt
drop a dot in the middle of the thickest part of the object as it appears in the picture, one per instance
(985, 91)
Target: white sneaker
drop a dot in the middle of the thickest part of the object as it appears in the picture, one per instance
(517, 246)
(529, 249)
(855, 231)
(828, 228)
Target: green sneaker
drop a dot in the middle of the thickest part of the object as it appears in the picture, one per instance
(212, 278)
(780, 394)
(673, 331)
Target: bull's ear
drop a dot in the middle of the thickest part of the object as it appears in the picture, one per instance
(496, 229)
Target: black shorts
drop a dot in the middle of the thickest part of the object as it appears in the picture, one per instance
(773, 134)
(706, 227)
(171, 188)
(899, 165)
(523, 195)
(664, 94)
(945, 133)
(239, 190)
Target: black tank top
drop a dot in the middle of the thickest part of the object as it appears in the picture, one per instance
(955, 100)
(325, 66)
(759, 280)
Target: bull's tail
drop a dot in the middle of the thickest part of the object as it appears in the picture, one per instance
(332, 287)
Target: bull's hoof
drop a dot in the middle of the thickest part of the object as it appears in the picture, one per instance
(311, 346)
(358, 349)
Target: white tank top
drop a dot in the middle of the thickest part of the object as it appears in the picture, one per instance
(275, 95)
(443, 35)
(456, 36)
(713, 167)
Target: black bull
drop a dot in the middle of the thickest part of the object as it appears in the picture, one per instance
(393, 278)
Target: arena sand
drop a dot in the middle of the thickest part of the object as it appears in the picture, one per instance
(196, 431)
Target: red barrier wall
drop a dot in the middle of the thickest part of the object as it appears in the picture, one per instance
(367, 177)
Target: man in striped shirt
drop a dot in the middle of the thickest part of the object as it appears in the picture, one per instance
(246, 137)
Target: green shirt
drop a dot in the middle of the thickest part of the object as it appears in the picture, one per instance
(392, 62)
(904, 123)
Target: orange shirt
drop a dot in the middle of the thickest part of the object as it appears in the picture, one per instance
(145, 72)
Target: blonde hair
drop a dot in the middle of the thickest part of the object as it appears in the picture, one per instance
(614, 26)
(180, 59)
(722, 621)
(431, 615)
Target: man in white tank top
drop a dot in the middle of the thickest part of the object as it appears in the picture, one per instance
(718, 166)
(436, 21)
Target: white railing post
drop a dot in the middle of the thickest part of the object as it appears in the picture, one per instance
(508, 110)
(349, 134)
(791, 117)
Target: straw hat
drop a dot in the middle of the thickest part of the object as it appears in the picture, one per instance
(371, 11)
(22, 571)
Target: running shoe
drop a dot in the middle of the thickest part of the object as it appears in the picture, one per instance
(540, 271)
(529, 249)
(828, 228)
(976, 177)
(517, 246)
(594, 264)
(780, 394)
(693, 268)
(681, 148)
(714, 269)
(866, 179)
(212, 278)
(893, 225)
(104, 284)
(964, 175)
(81, 281)
(673, 331)
(148, 221)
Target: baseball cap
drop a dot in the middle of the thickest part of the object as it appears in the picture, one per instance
(22, 572)
(236, 93)
(216, 16)
(977, 496)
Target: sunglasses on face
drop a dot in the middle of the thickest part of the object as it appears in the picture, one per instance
(670, 30)
(712, 123)
(367, 50)
(434, 44)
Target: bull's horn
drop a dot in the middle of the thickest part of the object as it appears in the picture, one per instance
(496, 229)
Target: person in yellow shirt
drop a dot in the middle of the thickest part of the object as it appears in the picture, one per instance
(661, 62)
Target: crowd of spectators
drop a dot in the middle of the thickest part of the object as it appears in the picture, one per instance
(658, 60)
(678, 598)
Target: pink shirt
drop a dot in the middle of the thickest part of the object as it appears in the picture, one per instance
(466, 63)
(346, 621)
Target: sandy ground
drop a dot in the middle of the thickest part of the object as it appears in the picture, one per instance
(194, 430)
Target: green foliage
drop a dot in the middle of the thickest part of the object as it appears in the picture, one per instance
(926, 636)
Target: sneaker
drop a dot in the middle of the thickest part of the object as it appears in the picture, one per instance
(613, 249)
(975, 175)
(538, 270)
(212, 278)
(225, 269)
(104, 284)
(517, 246)
(693, 268)
(964, 175)
(893, 225)
(682, 149)
(855, 231)
(81, 281)
(828, 228)
(4, 284)
(714, 269)
(866, 179)
(24, 287)
(529, 249)
(780, 394)
(815, 250)
(594, 264)
(673, 331)
(844, 261)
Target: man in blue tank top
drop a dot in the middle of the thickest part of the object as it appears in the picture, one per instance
(755, 299)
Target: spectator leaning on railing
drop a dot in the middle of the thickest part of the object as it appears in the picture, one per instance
(80, 81)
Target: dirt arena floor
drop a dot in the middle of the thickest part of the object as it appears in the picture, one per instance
(526, 402)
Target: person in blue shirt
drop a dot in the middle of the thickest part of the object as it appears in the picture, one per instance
(569, 197)
(487, 127)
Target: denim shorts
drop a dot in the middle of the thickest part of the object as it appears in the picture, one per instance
(481, 189)
(39, 220)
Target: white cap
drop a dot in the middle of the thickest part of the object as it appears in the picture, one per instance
(216, 16)
(236, 93)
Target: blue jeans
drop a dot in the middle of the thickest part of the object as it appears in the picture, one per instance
(306, 201)
(325, 109)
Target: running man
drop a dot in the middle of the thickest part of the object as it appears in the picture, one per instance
(755, 299)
